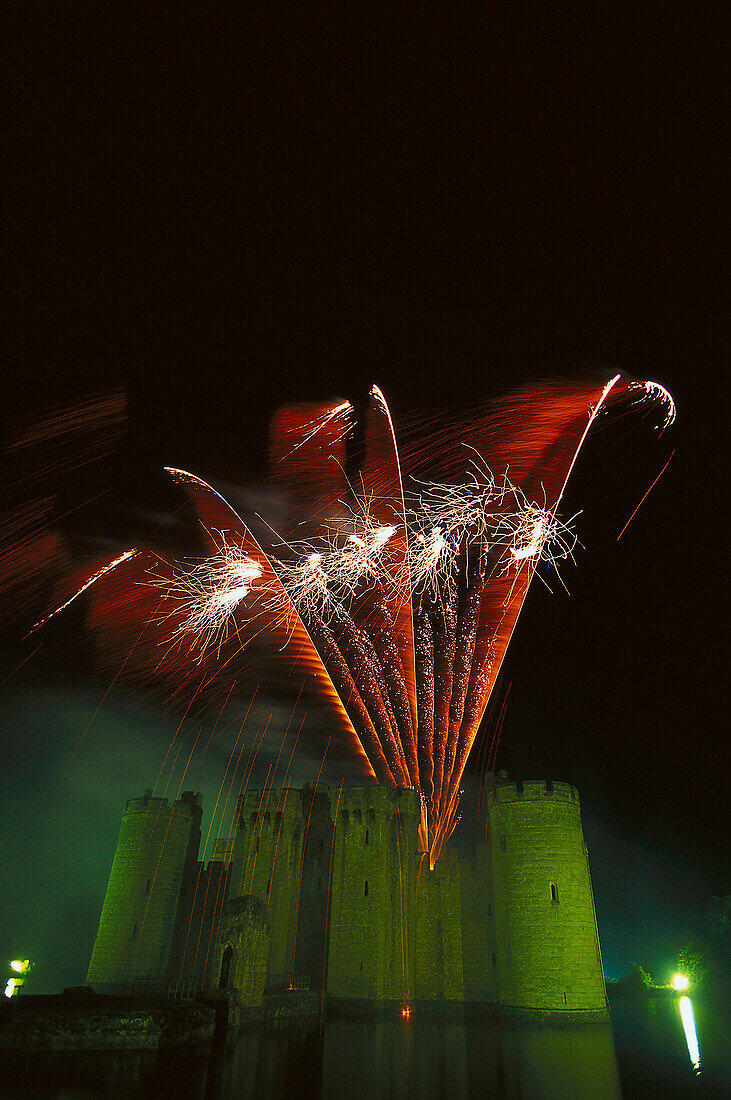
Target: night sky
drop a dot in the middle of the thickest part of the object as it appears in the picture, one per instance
(216, 215)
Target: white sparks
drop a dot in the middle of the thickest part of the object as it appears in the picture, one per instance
(654, 391)
(212, 591)
(92, 580)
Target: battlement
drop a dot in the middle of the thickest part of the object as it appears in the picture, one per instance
(264, 805)
(188, 805)
(268, 807)
(501, 789)
(369, 803)
(328, 882)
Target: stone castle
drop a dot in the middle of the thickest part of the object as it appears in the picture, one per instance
(328, 889)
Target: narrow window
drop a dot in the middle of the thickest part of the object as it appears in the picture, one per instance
(226, 961)
(147, 886)
(366, 888)
(554, 892)
(564, 999)
(493, 958)
(489, 910)
(366, 838)
(502, 843)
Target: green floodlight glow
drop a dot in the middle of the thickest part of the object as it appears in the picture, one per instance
(10, 987)
(20, 965)
(680, 982)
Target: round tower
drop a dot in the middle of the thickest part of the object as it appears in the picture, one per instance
(157, 844)
(547, 945)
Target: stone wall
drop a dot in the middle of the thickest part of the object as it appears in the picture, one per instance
(202, 897)
(240, 962)
(547, 945)
(374, 868)
(436, 913)
(479, 955)
(332, 887)
(157, 846)
(281, 855)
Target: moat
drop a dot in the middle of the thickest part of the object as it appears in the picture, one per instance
(642, 1053)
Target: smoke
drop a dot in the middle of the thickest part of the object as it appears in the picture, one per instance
(63, 795)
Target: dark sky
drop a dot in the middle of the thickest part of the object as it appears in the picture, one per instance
(223, 213)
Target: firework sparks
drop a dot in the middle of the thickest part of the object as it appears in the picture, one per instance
(432, 558)
(402, 614)
(126, 556)
(212, 591)
(534, 534)
(653, 391)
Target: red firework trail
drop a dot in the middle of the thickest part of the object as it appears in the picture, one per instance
(401, 607)
(444, 633)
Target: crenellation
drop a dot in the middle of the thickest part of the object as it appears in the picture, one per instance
(502, 790)
(333, 887)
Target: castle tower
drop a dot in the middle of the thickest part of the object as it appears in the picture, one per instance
(547, 945)
(281, 856)
(240, 956)
(202, 898)
(157, 847)
(374, 867)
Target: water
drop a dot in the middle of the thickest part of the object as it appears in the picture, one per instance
(644, 1054)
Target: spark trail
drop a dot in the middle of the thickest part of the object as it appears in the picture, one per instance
(402, 601)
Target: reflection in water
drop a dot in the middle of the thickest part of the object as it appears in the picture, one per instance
(422, 1055)
(425, 1056)
(691, 1035)
(431, 1057)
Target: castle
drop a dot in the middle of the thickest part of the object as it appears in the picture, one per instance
(327, 888)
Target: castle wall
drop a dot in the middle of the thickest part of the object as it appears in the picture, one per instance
(266, 864)
(240, 958)
(437, 915)
(202, 897)
(479, 956)
(547, 947)
(375, 862)
(157, 846)
(310, 954)
(281, 855)
(332, 887)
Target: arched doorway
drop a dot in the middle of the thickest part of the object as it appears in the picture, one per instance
(226, 967)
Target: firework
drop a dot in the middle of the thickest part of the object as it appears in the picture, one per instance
(653, 391)
(212, 590)
(400, 605)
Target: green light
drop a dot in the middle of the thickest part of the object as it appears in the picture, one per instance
(691, 1035)
(20, 965)
(680, 982)
(10, 987)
